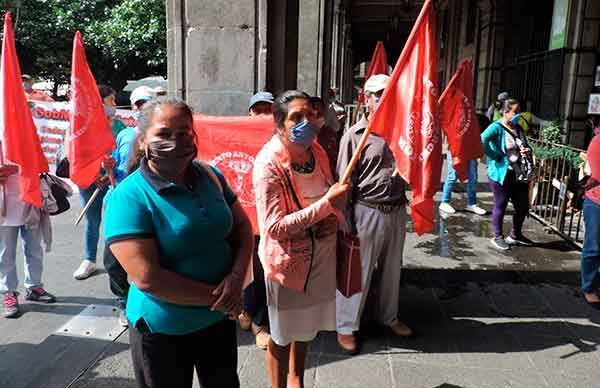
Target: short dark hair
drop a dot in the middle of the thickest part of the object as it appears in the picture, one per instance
(500, 102)
(280, 105)
(507, 105)
(150, 108)
(106, 91)
(318, 101)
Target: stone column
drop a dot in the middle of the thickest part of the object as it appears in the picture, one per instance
(583, 35)
(216, 53)
(310, 43)
(335, 46)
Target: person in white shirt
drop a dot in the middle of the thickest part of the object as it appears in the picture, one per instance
(23, 218)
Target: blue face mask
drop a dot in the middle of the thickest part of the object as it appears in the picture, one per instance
(304, 134)
(515, 120)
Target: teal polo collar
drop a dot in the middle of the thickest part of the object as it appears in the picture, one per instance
(160, 184)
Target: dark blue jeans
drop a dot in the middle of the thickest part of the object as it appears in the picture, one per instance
(590, 255)
(93, 219)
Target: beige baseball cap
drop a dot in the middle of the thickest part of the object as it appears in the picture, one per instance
(376, 83)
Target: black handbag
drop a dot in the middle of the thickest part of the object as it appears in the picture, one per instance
(522, 166)
(583, 185)
(61, 193)
(62, 168)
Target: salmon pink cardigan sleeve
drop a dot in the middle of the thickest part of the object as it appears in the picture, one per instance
(273, 199)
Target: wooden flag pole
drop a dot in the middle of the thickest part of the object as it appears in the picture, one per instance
(88, 205)
(355, 156)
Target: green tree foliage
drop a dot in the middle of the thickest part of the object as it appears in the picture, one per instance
(133, 30)
(124, 39)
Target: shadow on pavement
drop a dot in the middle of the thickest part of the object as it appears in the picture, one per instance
(65, 305)
(53, 363)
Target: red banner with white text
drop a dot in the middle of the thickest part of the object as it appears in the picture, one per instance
(231, 144)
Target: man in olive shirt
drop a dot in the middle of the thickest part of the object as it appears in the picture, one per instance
(376, 211)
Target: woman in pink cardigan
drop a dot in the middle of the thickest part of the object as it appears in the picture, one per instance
(298, 204)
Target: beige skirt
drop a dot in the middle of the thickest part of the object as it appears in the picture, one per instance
(297, 316)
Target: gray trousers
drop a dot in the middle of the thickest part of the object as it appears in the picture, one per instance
(381, 246)
(32, 250)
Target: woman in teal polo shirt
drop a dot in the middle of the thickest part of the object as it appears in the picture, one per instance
(182, 236)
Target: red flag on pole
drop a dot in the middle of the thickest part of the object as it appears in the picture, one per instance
(378, 65)
(90, 138)
(459, 121)
(230, 144)
(407, 118)
(21, 142)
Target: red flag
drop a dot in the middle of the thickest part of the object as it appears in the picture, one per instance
(378, 65)
(407, 118)
(459, 121)
(231, 144)
(91, 137)
(21, 141)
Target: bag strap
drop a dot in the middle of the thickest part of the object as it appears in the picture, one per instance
(211, 174)
(510, 133)
(590, 185)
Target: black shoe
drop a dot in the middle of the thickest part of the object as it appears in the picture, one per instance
(499, 243)
(519, 239)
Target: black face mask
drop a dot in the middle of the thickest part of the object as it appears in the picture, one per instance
(171, 157)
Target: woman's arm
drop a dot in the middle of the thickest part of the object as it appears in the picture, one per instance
(229, 292)
(490, 147)
(140, 259)
(270, 208)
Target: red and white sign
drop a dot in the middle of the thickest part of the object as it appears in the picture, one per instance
(231, 144)
(52, 122)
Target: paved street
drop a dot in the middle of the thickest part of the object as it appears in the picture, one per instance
(484, 320)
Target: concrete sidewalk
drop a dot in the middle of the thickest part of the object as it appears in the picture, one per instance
(485, 319)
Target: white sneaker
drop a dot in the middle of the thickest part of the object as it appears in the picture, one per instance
(476, 209)
(85, 270)
(447, 208)
(123, 318)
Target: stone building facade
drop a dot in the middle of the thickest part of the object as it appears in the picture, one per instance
(544, 52)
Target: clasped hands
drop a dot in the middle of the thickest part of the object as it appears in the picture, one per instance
(229, 296)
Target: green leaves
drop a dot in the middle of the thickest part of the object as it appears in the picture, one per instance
(133, 30)
(124, 39)
(552, 132)
(548, 152)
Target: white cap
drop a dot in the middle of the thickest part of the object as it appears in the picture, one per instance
(159, 89)
(142, 93)
(376, 82)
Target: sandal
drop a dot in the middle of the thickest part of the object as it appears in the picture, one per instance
(594, 304)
